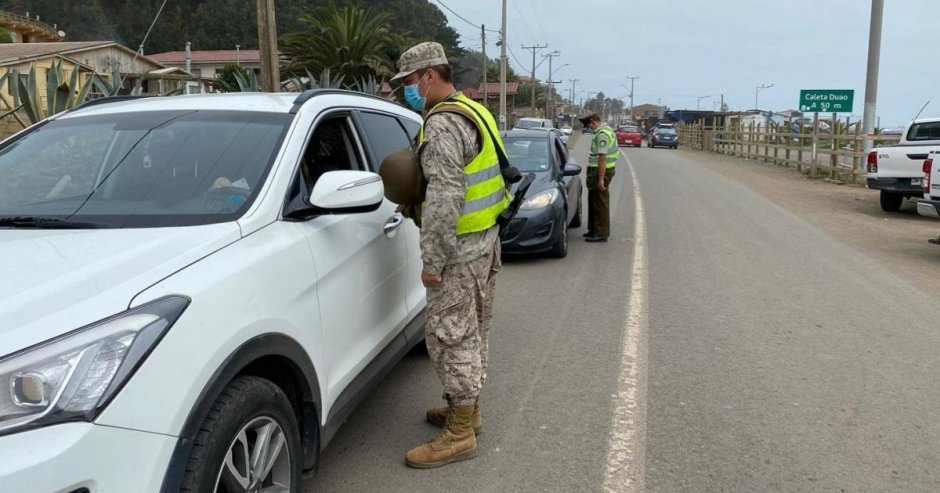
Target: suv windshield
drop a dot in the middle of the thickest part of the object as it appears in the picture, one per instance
(143, 169)
(528, 153)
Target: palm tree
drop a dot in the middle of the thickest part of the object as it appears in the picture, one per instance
(352, 42)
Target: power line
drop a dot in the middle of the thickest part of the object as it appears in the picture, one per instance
(524, 23)
(514, 58)
(439, 2)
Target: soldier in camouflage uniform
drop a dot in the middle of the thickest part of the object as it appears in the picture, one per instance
(459, 268)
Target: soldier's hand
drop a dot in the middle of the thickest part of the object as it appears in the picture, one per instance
(431, 280)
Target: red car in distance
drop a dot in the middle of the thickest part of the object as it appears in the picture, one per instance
(629, 135)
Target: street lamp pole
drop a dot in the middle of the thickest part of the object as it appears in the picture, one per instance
(757, 91)
(699, 102)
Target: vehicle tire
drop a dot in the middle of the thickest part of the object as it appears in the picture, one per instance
(560, 248)
(891, 202)
(576, 221)
(249, 412)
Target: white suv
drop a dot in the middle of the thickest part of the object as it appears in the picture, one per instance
(197, 290)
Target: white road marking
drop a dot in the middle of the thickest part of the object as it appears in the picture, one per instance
(626, 451)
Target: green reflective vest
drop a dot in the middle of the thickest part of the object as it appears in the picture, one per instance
(486, 196)
(604, 133)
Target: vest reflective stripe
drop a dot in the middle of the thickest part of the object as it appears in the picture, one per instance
(486, 196)
(482, 176)
(612, 155)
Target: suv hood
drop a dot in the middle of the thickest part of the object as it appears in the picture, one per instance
(55, 281)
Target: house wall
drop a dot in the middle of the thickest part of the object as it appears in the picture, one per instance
(9, 124)
(105, 60)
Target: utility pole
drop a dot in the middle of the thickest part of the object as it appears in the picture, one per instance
(551, 84)
(267, 42)
(631, 78)
(485, 95)
(871, 79)
(757, 91)
(573, 82)
(533, 48)
(502, 73)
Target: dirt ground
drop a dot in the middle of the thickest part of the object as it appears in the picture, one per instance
(850, 213)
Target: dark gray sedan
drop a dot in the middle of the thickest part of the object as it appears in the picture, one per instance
(552, 203)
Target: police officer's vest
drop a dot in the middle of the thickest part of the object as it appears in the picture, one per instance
(486, 195)
(613, 151)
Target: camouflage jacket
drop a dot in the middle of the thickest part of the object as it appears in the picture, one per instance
(450, 142)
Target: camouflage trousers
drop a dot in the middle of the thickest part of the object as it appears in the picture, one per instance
(460, 311)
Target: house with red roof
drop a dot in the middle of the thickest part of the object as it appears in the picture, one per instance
(207, 63)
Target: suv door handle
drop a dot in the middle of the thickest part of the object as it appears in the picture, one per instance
(392, 225)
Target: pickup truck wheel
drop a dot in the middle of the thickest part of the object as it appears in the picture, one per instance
(891, 202)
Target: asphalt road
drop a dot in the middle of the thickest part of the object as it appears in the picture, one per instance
(701, 351)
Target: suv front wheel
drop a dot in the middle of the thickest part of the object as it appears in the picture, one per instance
(249, 441)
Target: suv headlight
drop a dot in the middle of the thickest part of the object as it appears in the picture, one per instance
(539, 200)
(74, 376)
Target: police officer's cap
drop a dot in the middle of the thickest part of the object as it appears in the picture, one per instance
(589, 117)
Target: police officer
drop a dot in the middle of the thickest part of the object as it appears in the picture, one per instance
(602, 162)
(460, 246)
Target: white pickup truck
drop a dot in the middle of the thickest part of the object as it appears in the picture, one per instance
(898, 170)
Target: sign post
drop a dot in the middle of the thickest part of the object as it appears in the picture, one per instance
(818, 101)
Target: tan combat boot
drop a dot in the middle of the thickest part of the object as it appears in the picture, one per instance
(438, 416)
(455, 442)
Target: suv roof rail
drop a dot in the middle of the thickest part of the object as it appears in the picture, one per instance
(107, 100)
(311, 93)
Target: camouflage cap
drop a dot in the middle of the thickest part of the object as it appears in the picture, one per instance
(423, 55)
(588, 117)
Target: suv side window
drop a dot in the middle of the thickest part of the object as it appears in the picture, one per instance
(384, 134)
(332, 147)
(412, 127)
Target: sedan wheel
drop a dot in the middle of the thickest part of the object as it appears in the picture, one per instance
(560, 248)
(248, 443)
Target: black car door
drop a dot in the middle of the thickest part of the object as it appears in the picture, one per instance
(570, 184)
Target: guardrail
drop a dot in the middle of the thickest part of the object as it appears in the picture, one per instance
(840, 155)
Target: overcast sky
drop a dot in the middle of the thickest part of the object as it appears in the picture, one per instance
(682, 49)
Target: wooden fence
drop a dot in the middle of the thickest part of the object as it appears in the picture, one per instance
(836, 152)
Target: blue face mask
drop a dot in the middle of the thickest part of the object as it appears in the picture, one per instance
(413, 97)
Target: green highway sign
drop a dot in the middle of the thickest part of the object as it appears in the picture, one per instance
(826, 100)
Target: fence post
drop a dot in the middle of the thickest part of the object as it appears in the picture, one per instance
(856, 155)
(834, 158)
(815, 159)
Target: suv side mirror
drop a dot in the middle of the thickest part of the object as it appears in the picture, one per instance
(339, 192)
(571, 168)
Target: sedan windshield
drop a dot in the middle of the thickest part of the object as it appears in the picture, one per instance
(144, 169)
(528, 124)
(528, 153)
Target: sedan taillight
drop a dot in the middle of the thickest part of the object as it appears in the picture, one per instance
(928, 166)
